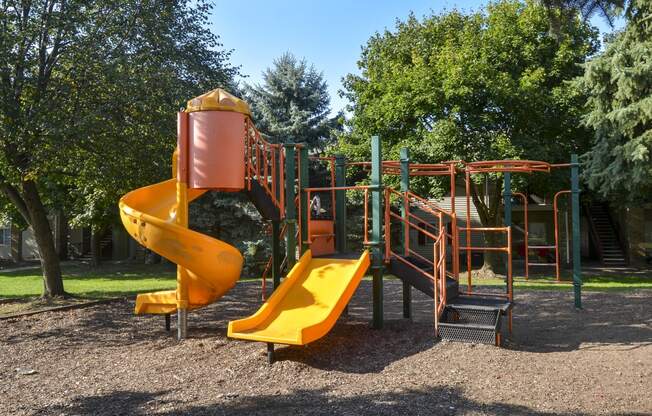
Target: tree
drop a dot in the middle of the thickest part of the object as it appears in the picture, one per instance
(83, 89)
(293, 104)
(619, 164)
(487, 85)
(560, 10)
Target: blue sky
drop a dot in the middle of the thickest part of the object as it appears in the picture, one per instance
(329, 34)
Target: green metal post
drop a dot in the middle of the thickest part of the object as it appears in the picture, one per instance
(405, 187)
(305, 183)
(276, 253)
(276, 232)
(376, 230)
(290, 211)
(575, 208)
(340, 204)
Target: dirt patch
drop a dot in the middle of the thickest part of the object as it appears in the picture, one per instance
(104, 360)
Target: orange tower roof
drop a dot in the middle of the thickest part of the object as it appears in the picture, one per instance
(218, 100)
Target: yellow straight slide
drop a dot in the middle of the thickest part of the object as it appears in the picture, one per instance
(213, 266)
(307, 303)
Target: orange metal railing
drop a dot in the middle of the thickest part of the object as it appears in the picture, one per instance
(437, 233)
(265, 163)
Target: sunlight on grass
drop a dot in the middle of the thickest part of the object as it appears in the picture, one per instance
(590, 283)
(105, 281)
(112, 280)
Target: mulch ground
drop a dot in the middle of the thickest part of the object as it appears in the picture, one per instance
(103, 360)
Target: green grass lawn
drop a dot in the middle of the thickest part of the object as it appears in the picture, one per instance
(80, 280)
(111, 280)
(590, 282)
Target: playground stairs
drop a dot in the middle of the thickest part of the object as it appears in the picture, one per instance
(609, 247)
(263, 202)
(474, 319)
(466, 318)
(417, 279)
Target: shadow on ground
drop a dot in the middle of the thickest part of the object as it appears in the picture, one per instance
(543, 322)
(428, 401)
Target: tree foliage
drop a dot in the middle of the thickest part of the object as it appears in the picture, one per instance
(560, 10)
(619, 165)
(87, 91)
(480, 86)
(293, 103)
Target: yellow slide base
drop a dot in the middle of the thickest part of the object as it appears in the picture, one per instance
(307, 303)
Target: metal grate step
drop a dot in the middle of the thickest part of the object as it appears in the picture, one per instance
(470, 325)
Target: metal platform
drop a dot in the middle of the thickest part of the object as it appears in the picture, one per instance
(481, 303)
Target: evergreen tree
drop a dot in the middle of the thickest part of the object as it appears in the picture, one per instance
(292, 104)
(619, 165)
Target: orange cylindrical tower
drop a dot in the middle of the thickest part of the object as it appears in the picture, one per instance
(216, 141)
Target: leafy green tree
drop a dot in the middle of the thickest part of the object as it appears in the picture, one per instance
(293, 104)
(560, 10)
(481, 86)
(86, 89)
(619, 164)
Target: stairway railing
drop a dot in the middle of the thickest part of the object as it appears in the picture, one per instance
(437, 233)
(265, 163)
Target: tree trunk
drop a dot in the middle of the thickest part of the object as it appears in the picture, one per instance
(62, 236)
(492, 263)
(16, 244)
(52, 280)
(487, 203)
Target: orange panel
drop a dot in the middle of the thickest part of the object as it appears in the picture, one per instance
(216, 150)
(323, 241)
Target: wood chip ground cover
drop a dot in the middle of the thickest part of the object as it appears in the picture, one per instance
(103, 360)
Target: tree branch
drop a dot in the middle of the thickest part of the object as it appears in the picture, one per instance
(14, 196)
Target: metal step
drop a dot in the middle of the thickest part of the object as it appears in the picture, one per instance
(470, 325)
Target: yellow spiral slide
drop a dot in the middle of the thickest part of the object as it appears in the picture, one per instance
(213, 267)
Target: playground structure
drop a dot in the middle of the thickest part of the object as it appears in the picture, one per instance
(220, 149)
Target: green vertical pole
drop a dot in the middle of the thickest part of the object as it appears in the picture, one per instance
(405, 186)
(305, 183)
(340, 204)
(276, 253)
(276, 234)
(575, 208)
(290, 211)
(376, 230)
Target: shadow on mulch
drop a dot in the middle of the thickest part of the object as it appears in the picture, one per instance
(548, 322)
(544, 321)
(439, 400)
